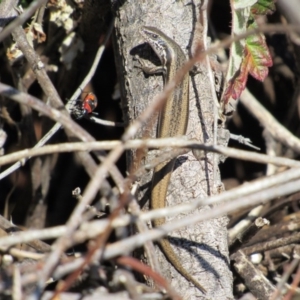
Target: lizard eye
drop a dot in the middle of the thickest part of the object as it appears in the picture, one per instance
(154, 36)
(216, 80)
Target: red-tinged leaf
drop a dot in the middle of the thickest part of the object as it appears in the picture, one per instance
(263, 7)
(257, 52)
(238, 83)
(241, 80)
(236, 87)
(256, 61)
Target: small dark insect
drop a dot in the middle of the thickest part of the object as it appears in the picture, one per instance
(85, 107)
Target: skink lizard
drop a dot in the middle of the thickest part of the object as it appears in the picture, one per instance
(173, 120)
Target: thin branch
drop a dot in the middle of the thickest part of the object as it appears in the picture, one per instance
(290, 9)
(278, 132)
(38, 67)
(141, 226)
(22, 18)
(92, 71)
(150, 143)
(106, 123)
(260, 197)
(216, 105)
(43, 79)
(248, 194)
(13, 231)
(138, 240)
(55, 114)
(269, 245)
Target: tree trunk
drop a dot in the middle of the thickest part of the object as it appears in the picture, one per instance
(201, 248)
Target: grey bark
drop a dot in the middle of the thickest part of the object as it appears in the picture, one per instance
(202, 248)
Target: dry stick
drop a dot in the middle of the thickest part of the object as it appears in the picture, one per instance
(135, 210)
(138, 240)
(38, 67)
(106, 123)
(216, 106)
(31, 235)
(290, 9)
(125, 278)
(286, 275)
(95, 251)
(146, 270)
(34, 243)
(279, 132)
(40, 15)
(243, 224)
(257, 283)
(269, 245)
(150, 143)
(263, 191)
(56, 115)
(50, 91)
(16, 286)
(294, 285)
(25, 254)
(96, 227)
(245, 236)
(22, 18)
(223, 208)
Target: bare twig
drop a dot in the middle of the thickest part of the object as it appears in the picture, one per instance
(216, 105)
(286, 275)
(254, 279)
(151, 143)
(269, 245)
(223, 208)
(106, 123)
(291, 10)
(250, 231)
(136, 241)
(49, 89)
(55, 114)
(144, 269)
(279, 132)
(246, 195)
(135, 210)
(22, 18)
(38, 67)
(34, 243)
(17, 287)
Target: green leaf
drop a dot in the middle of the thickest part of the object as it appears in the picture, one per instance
(258, 55)
(242, 4)
(263, 7)
(250, 55)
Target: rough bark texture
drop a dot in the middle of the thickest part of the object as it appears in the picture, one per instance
(202, 248)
